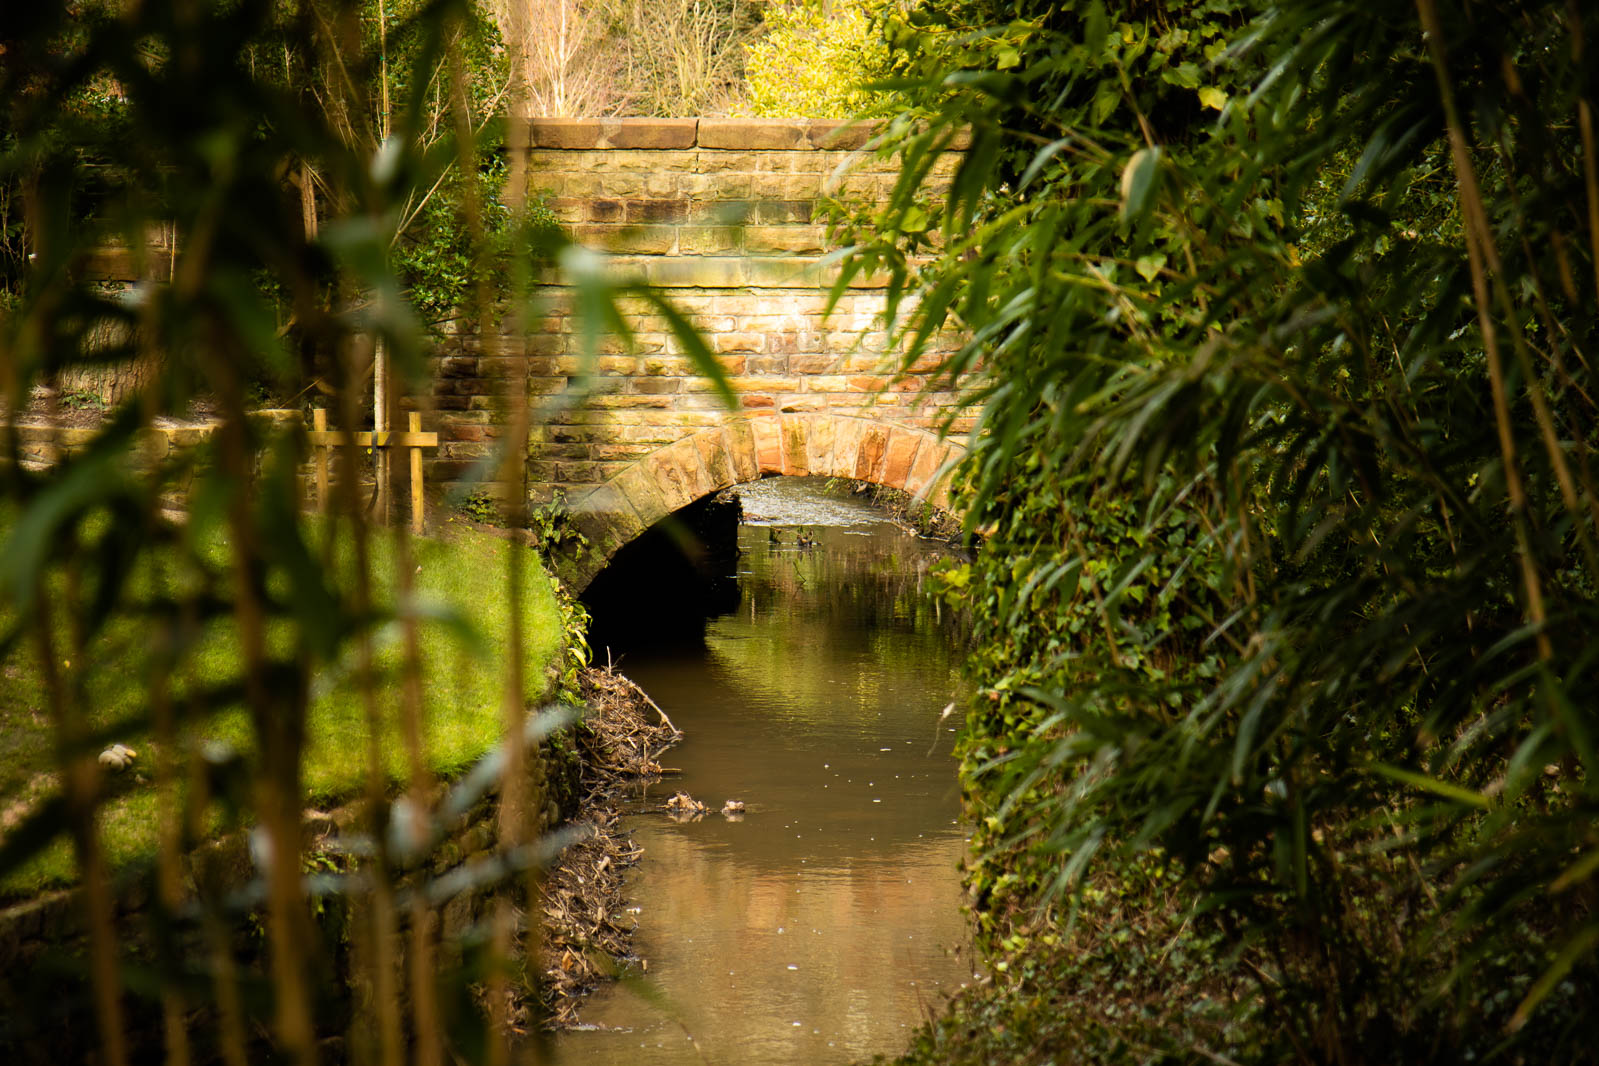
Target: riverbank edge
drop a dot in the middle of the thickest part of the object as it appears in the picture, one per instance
(587, 937)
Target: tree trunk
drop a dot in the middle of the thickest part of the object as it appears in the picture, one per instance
(110, 383)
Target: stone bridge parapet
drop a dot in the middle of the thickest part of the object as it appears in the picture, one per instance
(728, 218)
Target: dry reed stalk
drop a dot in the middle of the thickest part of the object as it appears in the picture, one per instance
(1480, 251)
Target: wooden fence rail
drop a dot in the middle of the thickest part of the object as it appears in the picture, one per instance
(324, 441)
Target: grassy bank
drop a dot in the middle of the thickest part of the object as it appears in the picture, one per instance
(461, 580)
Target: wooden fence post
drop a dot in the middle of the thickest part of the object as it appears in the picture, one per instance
(415, 450)
(413, 440)
(319, 423)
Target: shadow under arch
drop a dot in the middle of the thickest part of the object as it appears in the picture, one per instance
(746, 449)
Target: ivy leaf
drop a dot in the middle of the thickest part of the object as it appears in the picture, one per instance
(1210, 96)
(1106, 99)
(1185, 75)
(1138, 183)
(1149, 265)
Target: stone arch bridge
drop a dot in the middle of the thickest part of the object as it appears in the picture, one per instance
(725, 216)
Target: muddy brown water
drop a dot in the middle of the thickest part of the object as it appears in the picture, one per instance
(825, 924)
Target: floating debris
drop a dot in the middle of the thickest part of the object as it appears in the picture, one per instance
(118, 757)
(732, 807)
(588, 935)
(616, 736)
(685, 807)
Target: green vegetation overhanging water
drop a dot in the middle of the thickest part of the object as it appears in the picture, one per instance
(824, 924)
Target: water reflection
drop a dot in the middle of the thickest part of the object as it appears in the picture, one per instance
(825, 924)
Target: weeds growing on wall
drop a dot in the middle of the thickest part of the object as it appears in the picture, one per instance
(1285, 483)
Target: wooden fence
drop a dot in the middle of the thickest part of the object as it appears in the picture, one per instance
(324, 441)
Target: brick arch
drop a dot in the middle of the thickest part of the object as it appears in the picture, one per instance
(747, 449)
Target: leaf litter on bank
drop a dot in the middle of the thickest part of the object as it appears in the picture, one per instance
(588, 935)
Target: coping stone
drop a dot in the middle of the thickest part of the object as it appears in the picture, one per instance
(753, 133)
(594, 133)
(840, 135)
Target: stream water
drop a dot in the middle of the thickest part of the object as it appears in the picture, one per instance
(825, 924)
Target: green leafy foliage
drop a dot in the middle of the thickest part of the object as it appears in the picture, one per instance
(1280, 316)
(246, 617)
(815, 59)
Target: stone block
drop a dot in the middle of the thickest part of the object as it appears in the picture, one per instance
(714, 458)
(765, 384)
(840, 135)
(154, 445)
(708, 240)
(929, 462)
(643, 491)
(844, 342)
(826, 383)
(786, 272)
(752, 134)
(767, 434)
(847, 434)
(737, 342)
(870, 453)
(619, 185)
(616, 453)
(730, 187)
(795, 454)
(579, 473)
(585, 133)
(678, 473)
(700, 271)
(773, 210)
(720, 159)
(546, 386)
(900, 456)
(819, 436)
(811, 363)
(724, 212)
(938, 493)
(675, 209)
(623, 403)
(854, 403)
(802, 239)
(629, 240)
(666, 364)
(772, 187)
(666, 184)
(739, 441)
(653, 433)
(766, 365)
